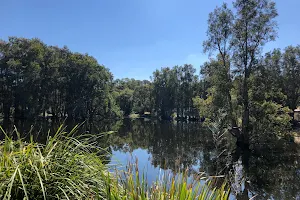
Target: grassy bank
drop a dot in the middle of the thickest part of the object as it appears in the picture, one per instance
(69, 167)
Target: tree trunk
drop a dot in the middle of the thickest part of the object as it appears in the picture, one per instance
(230, 112)
(245, 120)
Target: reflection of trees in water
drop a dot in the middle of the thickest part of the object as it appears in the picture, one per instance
(172, 146)
(266, 173)
(41, 129)
(275, 175)
(37, 128)
(179, 146)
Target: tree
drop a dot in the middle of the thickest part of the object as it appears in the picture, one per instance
(20, 66)
(39, 80)
(164, 92)
(133, 95)
(125, 101)
(291, 74)
(238, 39)
(269, 117)
(254, 26)
(219, 33)
(218, 90)
(173, 91)
(142, 98)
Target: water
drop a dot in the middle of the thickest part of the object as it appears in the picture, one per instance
(270, 172)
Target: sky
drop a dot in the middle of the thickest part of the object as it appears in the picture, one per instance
(132, 38)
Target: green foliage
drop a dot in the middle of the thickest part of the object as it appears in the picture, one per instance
(173, 90)
(204, 106)
(125, 100)
(267, 112)
(37, 79)
(291, 79)
(220, 35)
(217, 76)
(40, 80)
(258, 93)
(133, 96)
(142, 101)
(270, 120)
(254, 26)
(63, 168)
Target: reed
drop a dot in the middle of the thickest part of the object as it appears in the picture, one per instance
(134, 186)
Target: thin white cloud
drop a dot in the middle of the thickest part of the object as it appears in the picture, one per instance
(196, 59)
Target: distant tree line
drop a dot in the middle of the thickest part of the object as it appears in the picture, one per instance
(169, 94)
(41, 80)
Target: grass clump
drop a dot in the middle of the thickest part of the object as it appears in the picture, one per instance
(63, 168)
(69, 167)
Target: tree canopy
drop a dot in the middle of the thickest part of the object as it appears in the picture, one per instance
(37, 79)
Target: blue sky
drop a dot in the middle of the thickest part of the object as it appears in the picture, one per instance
(130, 37)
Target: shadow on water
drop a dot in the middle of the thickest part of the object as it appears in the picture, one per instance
(39, 130)
(268, 173)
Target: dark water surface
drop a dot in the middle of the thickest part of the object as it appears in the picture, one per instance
(269, 173)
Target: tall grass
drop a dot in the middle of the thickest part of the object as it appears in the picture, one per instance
(69, 167)
(63, 168)
(166, 187)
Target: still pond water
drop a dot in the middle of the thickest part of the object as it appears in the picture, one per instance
(166, 147)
